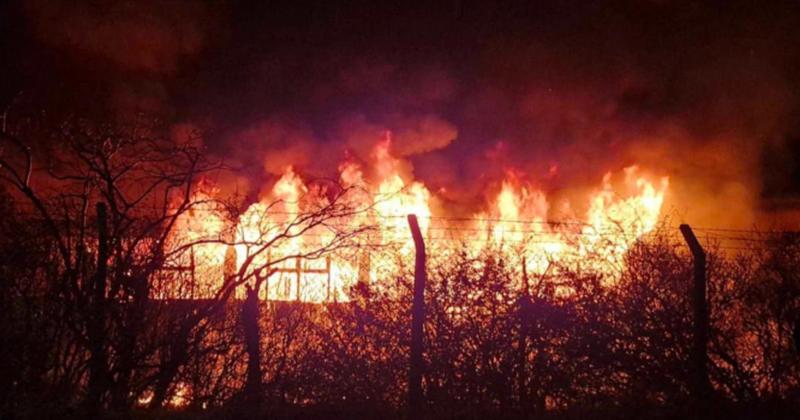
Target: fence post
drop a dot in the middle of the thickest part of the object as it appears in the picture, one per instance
(417, 321)
(700, 384)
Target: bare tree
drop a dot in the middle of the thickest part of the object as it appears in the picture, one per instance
(109, 261)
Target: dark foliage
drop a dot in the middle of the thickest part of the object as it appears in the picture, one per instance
(499, 342)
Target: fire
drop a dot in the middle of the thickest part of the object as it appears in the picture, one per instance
(622, 209)
(513, 205)
(624, 219)
(518, 220)
(202, 226)
(276, 214)
(396, 198)
(617, 216)
(179, 398)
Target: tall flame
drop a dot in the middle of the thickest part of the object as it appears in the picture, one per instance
(618, 213)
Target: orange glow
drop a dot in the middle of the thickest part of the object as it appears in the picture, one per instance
(202, 225)
(619, 211)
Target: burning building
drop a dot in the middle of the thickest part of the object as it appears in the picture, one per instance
(205, 208)
(620, 210)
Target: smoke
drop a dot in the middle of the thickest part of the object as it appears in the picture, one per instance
(555, 96)
(112, 59)
(410, 135)
(149, 36)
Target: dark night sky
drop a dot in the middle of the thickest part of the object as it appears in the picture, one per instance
(589, 86)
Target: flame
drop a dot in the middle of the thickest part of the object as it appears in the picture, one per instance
(179, 398)
(619, 212)
(623, 219)
(202, 225)
(616, 218)
(276, 215)
(396, 198)
(518, 219)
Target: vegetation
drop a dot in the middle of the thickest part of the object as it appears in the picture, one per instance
(83, 334)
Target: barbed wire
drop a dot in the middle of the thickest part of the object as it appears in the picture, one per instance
(660, 231)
